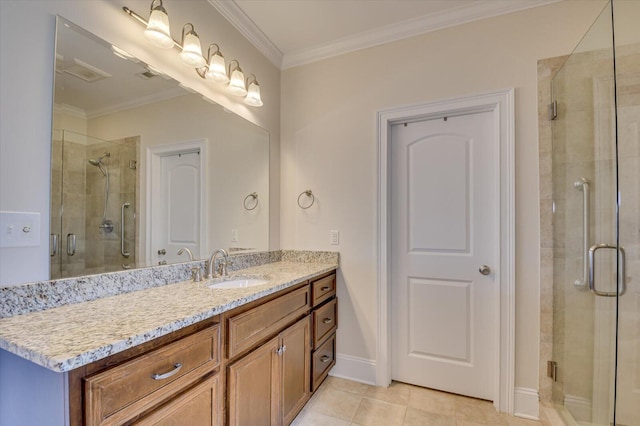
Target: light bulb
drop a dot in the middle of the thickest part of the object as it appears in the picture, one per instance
(217, 69)
(253, 95)
(158, 31)
(191, 54)
(236, 83)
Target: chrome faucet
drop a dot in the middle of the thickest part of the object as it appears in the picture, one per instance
(222, 268)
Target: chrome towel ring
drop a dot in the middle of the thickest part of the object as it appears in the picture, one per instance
(308, 193)
(254, 197)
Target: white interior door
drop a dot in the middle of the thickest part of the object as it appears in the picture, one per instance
(443, 230)
(178, 207)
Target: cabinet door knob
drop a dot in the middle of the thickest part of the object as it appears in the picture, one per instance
(325, 288)
(327, 321)
(325, 358)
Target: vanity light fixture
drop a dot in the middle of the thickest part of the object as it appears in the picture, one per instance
(236, 83)
(213, 68)
(217, 69)
(253, 92)
(191, 54)
(158, 31)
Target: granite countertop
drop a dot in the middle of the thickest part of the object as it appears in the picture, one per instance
(70, 336)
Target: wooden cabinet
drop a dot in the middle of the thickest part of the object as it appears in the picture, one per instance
(257, 364)
(174, 378)
(270, 385)
(325, 324)
(295, 368)
(197, 406)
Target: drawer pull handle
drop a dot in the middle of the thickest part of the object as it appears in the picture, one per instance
(327, 321)
(325, 288)
(176, 368)
(325, 358)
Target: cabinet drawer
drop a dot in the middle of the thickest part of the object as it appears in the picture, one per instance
(110, 391)
(249, 328)
(325, 322)
(323, 359)
(200, 406)
(323, 289)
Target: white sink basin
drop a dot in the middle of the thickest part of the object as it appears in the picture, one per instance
(237, 282)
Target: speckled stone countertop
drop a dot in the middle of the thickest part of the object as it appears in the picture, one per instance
(70, 336)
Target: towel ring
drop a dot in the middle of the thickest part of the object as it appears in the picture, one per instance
(254, 196)
(308, 193)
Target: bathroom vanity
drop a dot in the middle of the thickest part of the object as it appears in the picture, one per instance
(186, 352)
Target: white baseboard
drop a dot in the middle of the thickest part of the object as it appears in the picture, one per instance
(354, 368)
(526, 403)
(580, 408)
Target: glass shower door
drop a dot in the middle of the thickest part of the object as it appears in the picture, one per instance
(93, 199)
(585, 229)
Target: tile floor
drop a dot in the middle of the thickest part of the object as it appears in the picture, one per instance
(343, 402)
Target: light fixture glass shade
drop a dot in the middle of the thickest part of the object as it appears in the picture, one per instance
(253, 95)
(217, 69)
(236, 83)
(191, 54)
(158, 32)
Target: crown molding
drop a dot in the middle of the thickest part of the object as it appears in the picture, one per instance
(137, 102)
(375, 37)
(236, 16)
(410, 28)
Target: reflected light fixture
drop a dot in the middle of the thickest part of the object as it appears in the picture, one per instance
(191, 54)
(253, 92)
(217, 70)
(236, 83)
(158, 31)
(212, 68)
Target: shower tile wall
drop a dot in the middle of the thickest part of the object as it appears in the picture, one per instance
(103, 251)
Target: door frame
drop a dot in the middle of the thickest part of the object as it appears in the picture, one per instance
(501, 105)
(154, 156)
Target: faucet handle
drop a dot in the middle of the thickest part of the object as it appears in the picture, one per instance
(196, 274)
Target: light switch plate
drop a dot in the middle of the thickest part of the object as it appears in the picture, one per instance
(335, 237)
(19, 229)
(234, 235)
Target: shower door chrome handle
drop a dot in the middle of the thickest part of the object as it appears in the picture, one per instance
(71, 244)
(583, 185)
(54, 244)
(122, 252)
(622, 286)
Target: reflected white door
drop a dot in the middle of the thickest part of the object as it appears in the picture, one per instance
(443, 230)
(178, 207)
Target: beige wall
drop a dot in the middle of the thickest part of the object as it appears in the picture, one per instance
(329, 146)
(26, 87)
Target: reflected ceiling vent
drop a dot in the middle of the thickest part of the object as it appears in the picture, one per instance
(86, 72)
(147, 74)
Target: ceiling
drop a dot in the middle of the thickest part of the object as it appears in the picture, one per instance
(296, 32)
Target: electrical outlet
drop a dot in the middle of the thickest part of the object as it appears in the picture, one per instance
(234, 235)
(335, 237)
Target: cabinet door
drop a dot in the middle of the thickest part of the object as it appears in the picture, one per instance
(198, 406)
(296, 361)
(254, 387)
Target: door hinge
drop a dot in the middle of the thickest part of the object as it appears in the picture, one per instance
(552, 370)
(553, 110)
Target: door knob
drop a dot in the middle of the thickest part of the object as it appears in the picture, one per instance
(484, 270)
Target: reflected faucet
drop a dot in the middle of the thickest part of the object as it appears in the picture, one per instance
(196, 274)
(182, 250)
(222, 268)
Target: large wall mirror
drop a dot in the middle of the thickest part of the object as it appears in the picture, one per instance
(142, 168)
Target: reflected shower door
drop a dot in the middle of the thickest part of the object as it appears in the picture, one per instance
(94, 185)
(585, 229)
